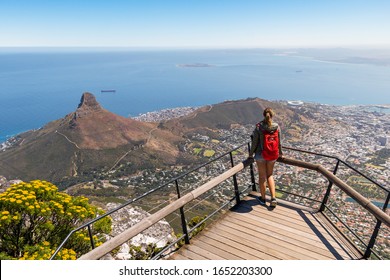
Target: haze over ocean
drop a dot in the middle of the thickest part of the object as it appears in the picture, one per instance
(40, 86)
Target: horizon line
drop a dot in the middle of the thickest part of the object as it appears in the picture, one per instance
(197, 47)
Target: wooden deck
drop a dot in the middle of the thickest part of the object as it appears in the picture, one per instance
(251, 231)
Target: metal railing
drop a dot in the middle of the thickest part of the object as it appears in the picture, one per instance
(380, 215)
(186, 232)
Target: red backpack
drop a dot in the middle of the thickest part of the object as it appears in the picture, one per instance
(271, 144)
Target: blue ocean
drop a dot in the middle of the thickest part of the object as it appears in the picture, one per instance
(40, 86)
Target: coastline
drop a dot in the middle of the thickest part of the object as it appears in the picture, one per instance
(176, 112)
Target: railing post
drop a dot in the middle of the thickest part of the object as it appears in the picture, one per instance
(327, 194)
(374, 235)
(182, 216)
(251, 170)
(236, 191)
(91, 237)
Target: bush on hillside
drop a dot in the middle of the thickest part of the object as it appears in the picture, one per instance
(35, 218)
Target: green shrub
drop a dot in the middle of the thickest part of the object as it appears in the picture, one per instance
(35, 218)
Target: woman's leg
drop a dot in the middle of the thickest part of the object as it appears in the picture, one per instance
(261, 168)
(270, 178)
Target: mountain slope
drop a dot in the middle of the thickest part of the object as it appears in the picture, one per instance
(91, 138)
(225, 115)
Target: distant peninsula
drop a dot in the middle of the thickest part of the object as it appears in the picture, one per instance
(194, 65)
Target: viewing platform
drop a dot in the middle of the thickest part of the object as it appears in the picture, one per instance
(332, 220)
(250, 231)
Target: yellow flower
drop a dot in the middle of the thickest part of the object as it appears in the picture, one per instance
(4, 217)
(15, 217)
(19, 201)
(5, 213)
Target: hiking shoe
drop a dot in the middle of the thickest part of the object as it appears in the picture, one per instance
(260, 200)
(273, 202)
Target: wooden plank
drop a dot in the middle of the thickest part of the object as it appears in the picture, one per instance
(283, 247)
(286, 241)
(203, 252)
(240, 242)
(302, 225)
(270, 223)
(327, 236)
(205, 243)
(177, 256)
(263, 250)
(230, 247)
(235, 247)
(282, 227)
(311, 244)
(290, 231)
(296, 216)
(252, 231)
(191, 255)
(270, 250)
(286, 205)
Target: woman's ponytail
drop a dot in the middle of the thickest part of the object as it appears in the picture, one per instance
(268, 114)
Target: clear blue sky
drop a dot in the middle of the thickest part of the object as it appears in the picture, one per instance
(188, 23)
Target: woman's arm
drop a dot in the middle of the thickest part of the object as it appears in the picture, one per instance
(280, 142)
(255, 142)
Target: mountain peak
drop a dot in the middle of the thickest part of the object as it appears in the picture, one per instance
(88, 101)
(88, 105)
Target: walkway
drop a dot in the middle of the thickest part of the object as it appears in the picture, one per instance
(251, 231)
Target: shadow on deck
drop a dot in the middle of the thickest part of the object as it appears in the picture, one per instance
(251, 231)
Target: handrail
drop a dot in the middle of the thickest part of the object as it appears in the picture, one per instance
(161, 214)
(367, 204)
(108, 213)
(340, 160)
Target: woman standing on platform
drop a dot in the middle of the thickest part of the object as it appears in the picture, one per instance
(266, 148)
